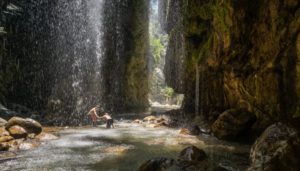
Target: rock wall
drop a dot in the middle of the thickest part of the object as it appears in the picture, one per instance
(48, 57)
(247, 53)
(22, 71)
(126, 71)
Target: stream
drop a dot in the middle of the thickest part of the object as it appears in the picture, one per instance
(121, 149)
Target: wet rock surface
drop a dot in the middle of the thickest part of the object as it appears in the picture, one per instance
(188, 165)
(192, 153)
(190, 130)
(278, 148)
(4, 146)
(6, 138)
(17, 132)
(231, 124)
(30, 125)
(157, 164)
(46, 136)
(190, 159)
(27, 146)
(150, 118)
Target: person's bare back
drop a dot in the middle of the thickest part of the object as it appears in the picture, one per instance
(110, 121)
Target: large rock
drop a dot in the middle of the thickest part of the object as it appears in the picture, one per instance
(27, 146)
(46, 136)
(278, 148)
(6, 138)
(232, 123)
(2, 122)
(156, 164)
(13, 144)
(30, 125)
(190, 130)
(3, 132)
(17, 132)
(192, 153)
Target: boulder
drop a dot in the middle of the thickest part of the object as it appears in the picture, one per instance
(46, 136)
(149, 118)
(4, 146)
(3, 132)
(30, 125)
(6, 138)
(190, 130)
(192, 153)
(278, 148)
(13, 144)
(2, 122)
(233, 123)
(17, 132)
(156, 164)
(27, 146)
(136, 121)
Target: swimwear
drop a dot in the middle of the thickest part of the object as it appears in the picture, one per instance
(109, 123)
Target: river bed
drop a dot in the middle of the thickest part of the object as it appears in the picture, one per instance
(121, 149)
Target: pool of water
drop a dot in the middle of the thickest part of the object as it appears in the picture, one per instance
(121, 149)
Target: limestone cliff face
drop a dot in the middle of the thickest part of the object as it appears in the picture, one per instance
(22, 72)
(247, 53)
(126, 49)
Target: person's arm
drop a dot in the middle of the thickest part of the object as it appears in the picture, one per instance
(100, 117)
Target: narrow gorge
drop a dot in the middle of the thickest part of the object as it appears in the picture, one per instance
(189, 84)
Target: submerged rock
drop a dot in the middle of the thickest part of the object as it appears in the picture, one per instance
(232, 123)
(190, 130)
(30, 125)
(2, 122)
(278, 148)
(6, 138)
(156, 164)
(117, 149)
(189, 165)
(46, 136)
(192, 153)
(18, 132)
(27, 146)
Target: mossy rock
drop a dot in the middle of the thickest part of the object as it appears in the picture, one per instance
(30, 125)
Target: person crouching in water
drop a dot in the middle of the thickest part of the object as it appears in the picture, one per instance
(93, 114)
(110, 121)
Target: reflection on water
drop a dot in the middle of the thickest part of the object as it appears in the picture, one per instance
(121, 149)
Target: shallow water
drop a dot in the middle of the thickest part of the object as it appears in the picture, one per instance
(121, 149)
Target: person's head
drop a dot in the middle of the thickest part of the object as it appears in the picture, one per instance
(97, 108)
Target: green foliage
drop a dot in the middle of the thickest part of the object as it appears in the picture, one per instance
(156, 49)
(168, 91)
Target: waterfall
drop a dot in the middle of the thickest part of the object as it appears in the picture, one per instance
(197, 91)
(77, 54)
